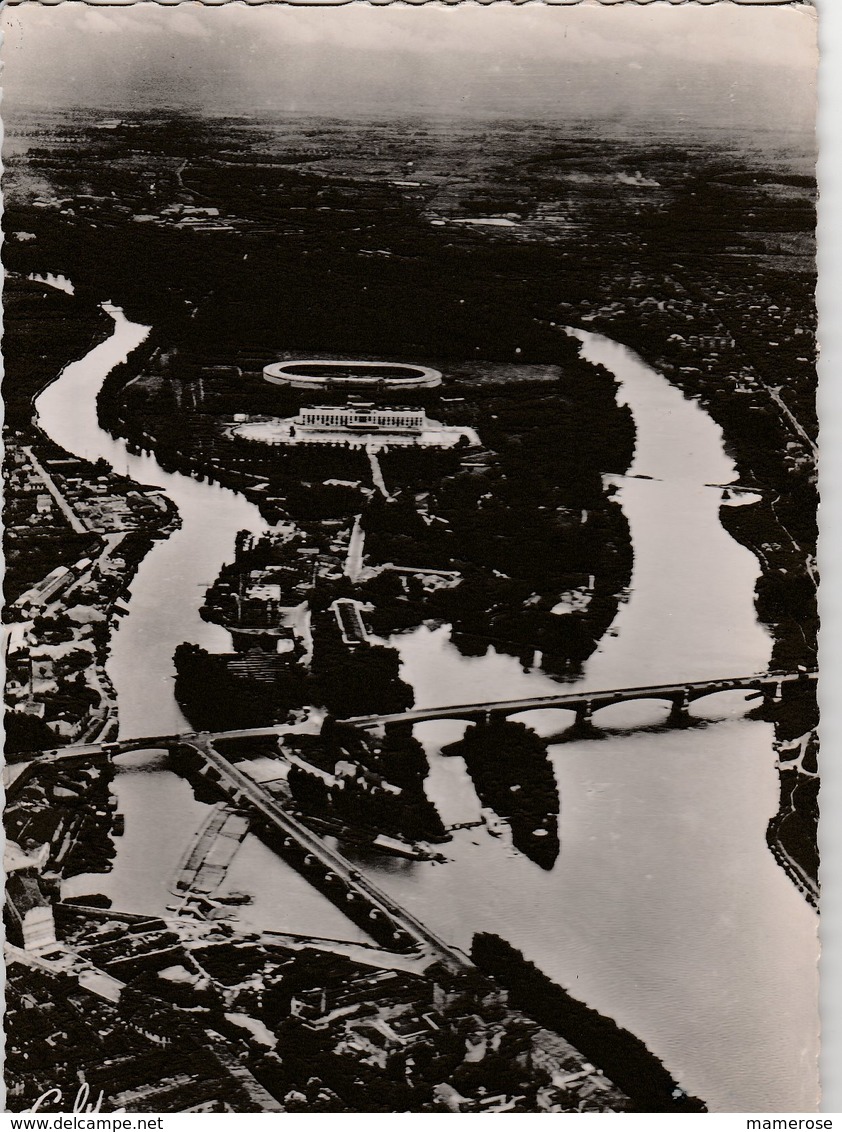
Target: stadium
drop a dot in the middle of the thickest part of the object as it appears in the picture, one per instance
(320, 374)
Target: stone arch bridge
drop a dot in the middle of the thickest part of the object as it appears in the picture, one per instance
(770, 686)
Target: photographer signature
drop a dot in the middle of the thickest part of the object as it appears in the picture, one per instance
(80, 1104)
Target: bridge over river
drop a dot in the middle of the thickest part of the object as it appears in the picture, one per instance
(325, 867)
(584, 704)
(391, 925)
(769, 685)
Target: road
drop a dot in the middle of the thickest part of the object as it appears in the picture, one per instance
(573, 700)
(354, 558)
(377, 472)
(76, 524)
(332, 861)
(564, 700)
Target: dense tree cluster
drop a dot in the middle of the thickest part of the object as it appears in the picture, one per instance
(513, 776)
(222, 691)
(355, 681)
(24, 734)
(619, 1054)
(366, 798)
(448, 294)
(216, 699)
(363, 805)
(45, 328)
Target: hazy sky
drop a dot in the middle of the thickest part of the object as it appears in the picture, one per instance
(711, 62)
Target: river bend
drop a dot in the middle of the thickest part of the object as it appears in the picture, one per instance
(665, 909)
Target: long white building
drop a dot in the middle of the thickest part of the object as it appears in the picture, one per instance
(356, 424)
(361, 417)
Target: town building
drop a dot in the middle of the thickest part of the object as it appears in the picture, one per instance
(359, 424)
(361, 415)
(29, 913)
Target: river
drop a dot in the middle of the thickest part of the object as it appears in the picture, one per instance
(665, 909)
(171, 581)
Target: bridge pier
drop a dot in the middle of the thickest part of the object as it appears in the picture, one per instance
(400, 730)
(584, 727)
(771, 699)
(679, 715)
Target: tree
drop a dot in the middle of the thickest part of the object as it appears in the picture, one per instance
(26, 733)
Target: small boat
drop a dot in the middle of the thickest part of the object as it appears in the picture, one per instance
(495, 825)
(397, 847)
(235, 898)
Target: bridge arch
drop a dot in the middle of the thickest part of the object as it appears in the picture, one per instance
(546, 721)
(721, 703)
(138, 756)
(641, 711)
(463, 718)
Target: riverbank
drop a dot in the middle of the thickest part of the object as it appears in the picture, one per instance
(629, 909)
(772, 458)
(67, 571)
(620, 1055)
(780, 529)
(141, 653)
(44, 329)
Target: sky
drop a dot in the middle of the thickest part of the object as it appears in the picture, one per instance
(711, 62)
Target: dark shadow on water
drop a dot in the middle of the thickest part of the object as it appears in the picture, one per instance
(576, 734)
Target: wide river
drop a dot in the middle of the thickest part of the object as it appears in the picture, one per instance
(665, 908)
